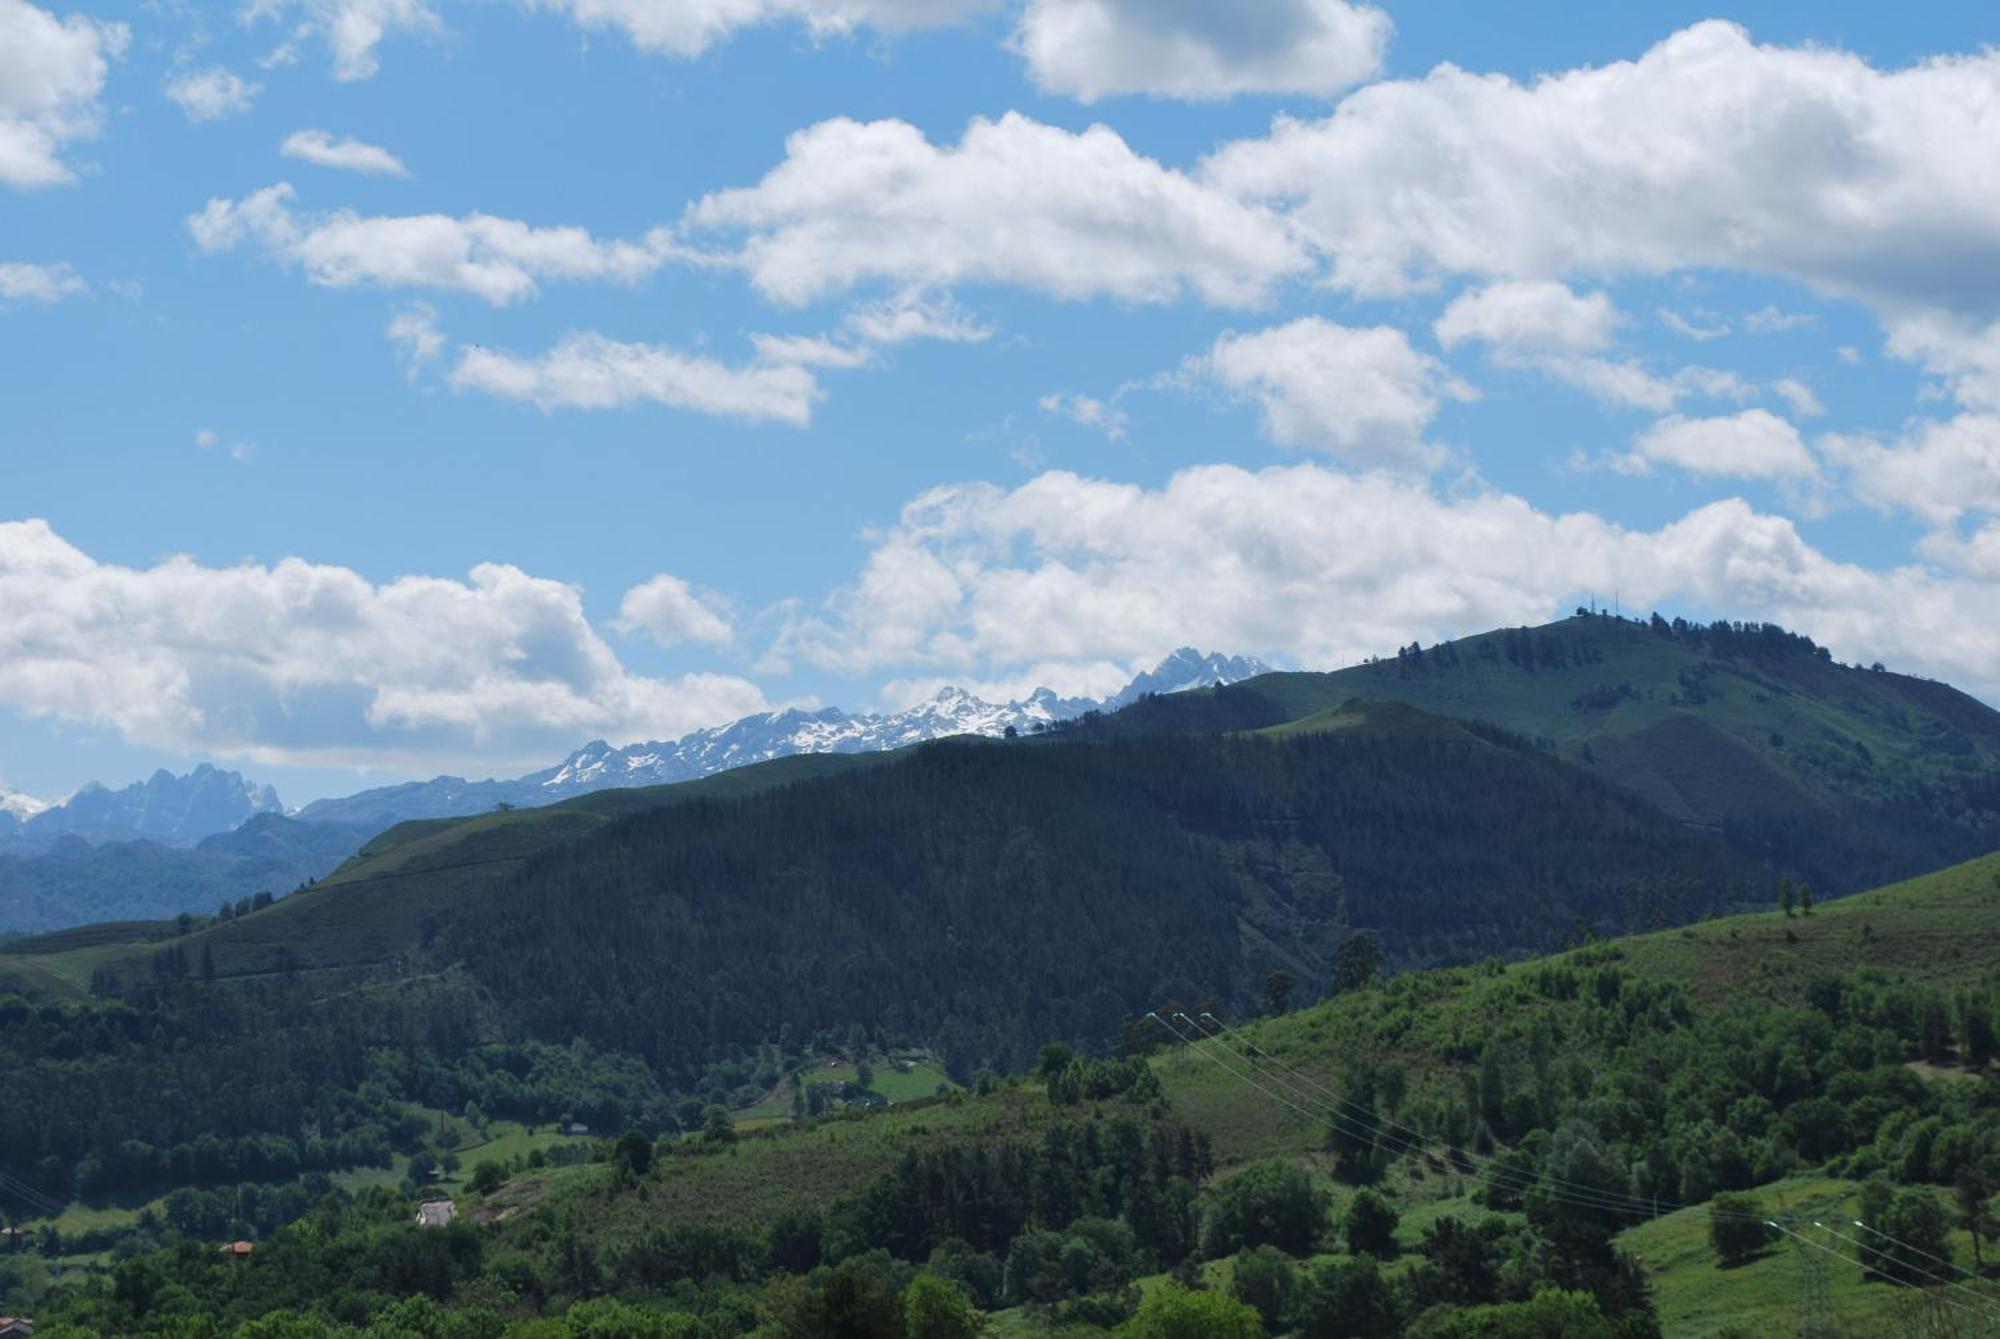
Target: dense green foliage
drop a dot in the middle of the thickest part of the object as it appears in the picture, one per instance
(986, 896)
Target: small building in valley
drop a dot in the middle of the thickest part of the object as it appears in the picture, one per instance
(436, 1213)
(239, 1249)
(16, 1327)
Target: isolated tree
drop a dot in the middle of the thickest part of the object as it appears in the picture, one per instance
(634, 1152)
(1788, 896)
(488, 1177)
(1278, 991)
(864, 1076)
(716, 1127)
(1736, 1228)
(1357, 962)
(1805, 899)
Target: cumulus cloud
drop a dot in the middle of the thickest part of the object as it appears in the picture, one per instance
(1939, 470)
(687, 28)
(51, 73)
(1708, 150)
(500, 260)
(22, 282)
(345, 154)
(1091, 49)
(1075, 215)
(1545, 325)
(298, 662)
(1755, 444)
(671, 612)
(1528, 317)
(1362, 393)
(587, 370)
(212, 94)
(351, 29)
(1322, 567)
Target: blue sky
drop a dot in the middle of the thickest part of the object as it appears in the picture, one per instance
(613, 367)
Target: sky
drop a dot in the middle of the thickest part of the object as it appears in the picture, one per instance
(395, 387)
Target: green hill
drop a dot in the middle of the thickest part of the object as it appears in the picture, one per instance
(980, 895)
(1851, 777)
(1789, 1060)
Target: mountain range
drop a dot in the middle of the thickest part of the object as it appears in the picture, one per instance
(1483, 796)
(766, 736)
(164, 808)
(174, 835)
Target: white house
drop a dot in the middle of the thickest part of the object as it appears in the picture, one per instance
(436, 1213)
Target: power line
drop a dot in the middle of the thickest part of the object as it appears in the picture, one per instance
(1949, 1264)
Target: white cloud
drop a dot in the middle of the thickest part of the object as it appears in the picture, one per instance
(1321, 567)
(811, 351)
(687, 28)
(1804, 402)
(1088, 411)
(1708, 150)
(414, 331)
(352, 29)
(1940, 470)
(297, 662)
(916, 315)
(22, 282)
(1770, 321)
(1091, 49)
(590, 371)
(671, 612)
(500, 260)
(1681, 325)
(213, 93)
(1544, 325)
(1361, 393)
(345, 154)
(51, 73)
(1978, 556)
(1014, 202)
(1526, 318)
(1755, 444)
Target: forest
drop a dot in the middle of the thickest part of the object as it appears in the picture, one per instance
(1466, 1151)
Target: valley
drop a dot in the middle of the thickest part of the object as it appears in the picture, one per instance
(696, 1046)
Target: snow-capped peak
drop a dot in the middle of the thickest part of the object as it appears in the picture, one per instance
(779, 734)
(19, 805)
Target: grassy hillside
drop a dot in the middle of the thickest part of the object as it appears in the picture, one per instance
(1851, 776)
(1940, 931)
